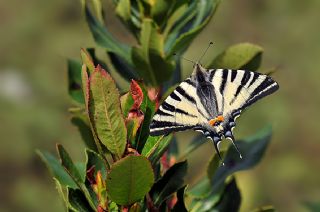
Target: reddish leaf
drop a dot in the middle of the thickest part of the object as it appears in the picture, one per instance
(135, 115)
(153, 94)
(137, 95)
(100, 209)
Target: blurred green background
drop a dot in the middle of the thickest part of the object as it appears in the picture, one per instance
(37, 36)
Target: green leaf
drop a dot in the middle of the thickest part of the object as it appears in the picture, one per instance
(160, 150)
(67, 163)
(86, 91)
(195, 143)
(94, 159)
(123, 68)
(123, 10)
(133, 125)
(204, 204)
(226, 199)
(61, 192)
(105, 113)
(312, 206)
(87, 60)
(155, 147)
(97, 5)
(201, 189)
(56, 169)
(78, 201)
(173, 149)
(179, 25)
(188, 26)
(126, 102)
(129, 14)
(74, 81)
(149, 59)
(129, 180)
(169, 183)
(85, 84)
(147, 103)
(160, 9)
(180, 205)
(96, 61)
(230, 199)
(73, 171)
(81, 167)
(151, 145)
(113, 207)
(103, 38)
(85, 131)
(252, 150)
(148, 108)
(241, 56)
(214, 164)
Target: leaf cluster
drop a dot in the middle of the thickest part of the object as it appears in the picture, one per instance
(125, 168)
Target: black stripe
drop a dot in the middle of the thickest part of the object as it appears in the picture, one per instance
(190, 82)
(255, 77)
(167, 106)
(253, 98)
(238, 91)
(184, 94)
(169, 130)
(175, 96)
(233, 75)
(212, 73)
(162, 113)
(236, 94)
(184, 112)
(160, 124)
(201, 113)
(245, 78)
(224, 80)
(265, 83)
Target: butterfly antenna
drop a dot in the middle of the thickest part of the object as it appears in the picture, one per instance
(191, 61)
(204, 53)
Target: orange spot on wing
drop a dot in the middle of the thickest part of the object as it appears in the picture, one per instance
(217, 119)
(220, 118)
(212, 122)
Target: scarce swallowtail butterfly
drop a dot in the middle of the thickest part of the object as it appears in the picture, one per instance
(209, 101)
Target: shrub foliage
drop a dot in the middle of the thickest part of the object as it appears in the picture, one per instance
(125, 168)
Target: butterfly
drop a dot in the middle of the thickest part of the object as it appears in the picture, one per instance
(210, 101)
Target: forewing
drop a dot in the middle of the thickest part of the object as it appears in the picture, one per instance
(178, 111)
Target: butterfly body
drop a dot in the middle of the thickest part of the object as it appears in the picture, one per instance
(209, 101)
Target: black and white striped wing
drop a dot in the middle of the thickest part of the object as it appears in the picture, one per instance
(178, 112)
(238, 89)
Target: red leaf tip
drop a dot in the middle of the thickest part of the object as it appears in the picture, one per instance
(137, 95)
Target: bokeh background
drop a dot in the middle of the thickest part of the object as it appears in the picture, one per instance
(37, 36)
